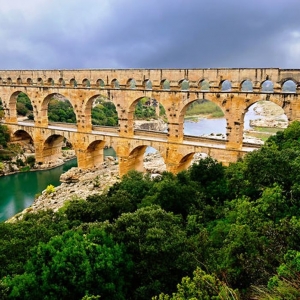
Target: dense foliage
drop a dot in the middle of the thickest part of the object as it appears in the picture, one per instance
(147, 109)
(61, 111)
(211, 232)
(104, 113)
(4, 136)
(24, 106)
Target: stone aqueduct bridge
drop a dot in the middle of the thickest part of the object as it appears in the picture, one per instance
(175, 89)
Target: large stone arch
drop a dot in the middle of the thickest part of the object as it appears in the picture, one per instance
(51, 149)
(208, 96)
(10, 110)
(135, 158)
(185, 162)
(131, 155)
(132, 102)
(22, 137)
(268, 98)
(155, 109)
(211, 98)
(43, 112)
(88, 107)
(49, 146)
(93, 155)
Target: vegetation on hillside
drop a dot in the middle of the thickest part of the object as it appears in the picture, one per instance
(24, 106)
(204, 107)
(104, 113)
(211, 232)
(61, 111)
(146, 109)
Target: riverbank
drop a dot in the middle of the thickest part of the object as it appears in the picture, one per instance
(11, 167)
(79, 184)
(75, 184)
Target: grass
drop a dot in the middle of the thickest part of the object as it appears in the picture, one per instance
(263, 133)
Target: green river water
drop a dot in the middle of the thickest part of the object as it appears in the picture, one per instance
(17, 191)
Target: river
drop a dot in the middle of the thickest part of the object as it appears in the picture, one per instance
(19, 190)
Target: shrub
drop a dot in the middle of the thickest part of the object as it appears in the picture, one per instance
(50, 189)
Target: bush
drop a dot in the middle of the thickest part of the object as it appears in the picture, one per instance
(30, 160)
(50, 189)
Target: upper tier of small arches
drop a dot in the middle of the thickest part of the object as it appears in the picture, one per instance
(229, 81)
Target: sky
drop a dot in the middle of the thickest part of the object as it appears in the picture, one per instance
(98, 34)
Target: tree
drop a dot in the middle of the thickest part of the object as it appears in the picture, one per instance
(24, 105)
(202, 286)
(73, 265)
(175, 194)
(156, 240)
(286, 283)
(4, 135)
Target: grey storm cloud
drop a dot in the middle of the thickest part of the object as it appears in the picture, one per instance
(70, 34)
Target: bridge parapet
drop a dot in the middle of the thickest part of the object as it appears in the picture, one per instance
(115, 79)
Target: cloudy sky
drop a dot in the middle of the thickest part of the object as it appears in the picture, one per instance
(73, 34)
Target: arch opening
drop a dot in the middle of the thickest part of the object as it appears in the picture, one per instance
(103, 111)
(267, 86)
(165, 84)
(60, 109)
(204, 85)
(22, 150)
(23, 106)
(226, 86)
(184, 85)
(61, 82)
(40, 81)
(56, 150)
(148, 84)
(25, 140)
(115, 84)
(188, 160)
(263, 119)
(131, 84)
(2, 113)
(149, 115)
(86, 83)
(204, 118)
(50, 82)
(100, 83)
(153, 162)
(247, 86)
(289, 86)
(100, 154)
(73, 82)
